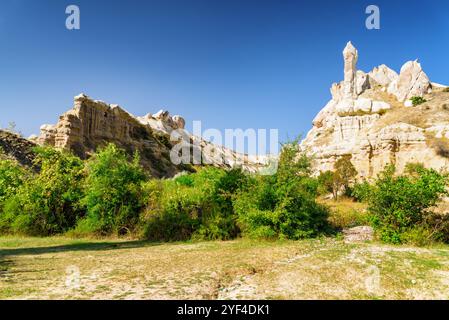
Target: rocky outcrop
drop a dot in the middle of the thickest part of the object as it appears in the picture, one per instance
(412, 82)
(91, 124)
(366, 118)
(15, 147)
(383, 75)
(350, 82)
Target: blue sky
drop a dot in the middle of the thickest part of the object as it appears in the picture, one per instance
(232, 64)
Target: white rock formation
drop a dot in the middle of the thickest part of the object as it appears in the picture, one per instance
(350, 55)
(383, 75)
(412, 81)
(352, 122)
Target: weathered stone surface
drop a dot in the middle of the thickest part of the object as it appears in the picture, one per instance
(363, 105)
(362, 82)
(352, 121)
(358, 234)
(379, 106)
(15, 147)
(93, 123)
(350, 55)
(412, 81)
(383, 75)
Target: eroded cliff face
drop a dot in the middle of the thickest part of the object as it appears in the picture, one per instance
(13, 146)
(91, 124)
(372, 118)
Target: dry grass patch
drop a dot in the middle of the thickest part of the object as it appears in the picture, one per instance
(346, 213)
(61, 268)
(440, 145)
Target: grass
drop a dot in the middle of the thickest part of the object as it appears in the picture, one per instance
(360, 113)
(346, 213)
(63, 268)
(440, 145)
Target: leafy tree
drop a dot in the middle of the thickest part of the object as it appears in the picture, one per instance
(341, 178)
(326, 182)
(113, 192)
(400, 204)
(47, 203)
(12, 176)
(345, 172)
(361, 191)
(282, 205)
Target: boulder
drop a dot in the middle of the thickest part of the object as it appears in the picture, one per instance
(383, 75)
(412, 81)
(358, 234)
(363, 105)
(379, 106)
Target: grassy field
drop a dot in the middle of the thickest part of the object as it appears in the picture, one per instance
(62, 268)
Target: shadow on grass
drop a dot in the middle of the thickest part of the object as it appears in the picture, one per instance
(88, 246)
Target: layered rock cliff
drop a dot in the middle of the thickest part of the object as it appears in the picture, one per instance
(371, 117)
(91, 124)
(13, 146)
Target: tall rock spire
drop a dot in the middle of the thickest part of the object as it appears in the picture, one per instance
(350, 56)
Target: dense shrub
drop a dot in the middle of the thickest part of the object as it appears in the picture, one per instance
(171, 211)
(400, 204)
(113, 193)
(265, 210)
(282, 205)
(193, 206)
(48, 202)
(12, 176)
(326, 182)
(417, 101)
(361, 191)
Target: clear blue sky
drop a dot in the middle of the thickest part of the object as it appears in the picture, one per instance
(231, 64)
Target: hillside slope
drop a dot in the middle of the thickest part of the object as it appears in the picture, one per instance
(13, 146)
(91, 124)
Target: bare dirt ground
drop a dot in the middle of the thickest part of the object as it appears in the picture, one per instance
(62, 268)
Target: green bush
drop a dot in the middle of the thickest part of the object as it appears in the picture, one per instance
(266, 210)
(113, 193)
(171, 211)
(399, 204)
(12, 176)
(417, 101)
(195, 206)
(282, 205)
(326, 182)
(361, 191)
(46, 203)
